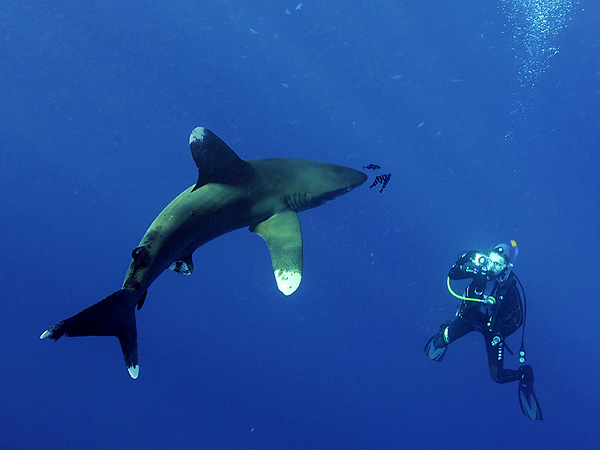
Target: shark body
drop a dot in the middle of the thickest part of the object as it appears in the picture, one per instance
(264, 195)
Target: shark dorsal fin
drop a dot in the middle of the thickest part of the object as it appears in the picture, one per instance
(216, 162)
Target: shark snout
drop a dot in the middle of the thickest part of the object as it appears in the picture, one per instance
(358, 179)
(349, 179)
(346, 179)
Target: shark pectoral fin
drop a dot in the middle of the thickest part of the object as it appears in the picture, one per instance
(184, 266)
(283, 236)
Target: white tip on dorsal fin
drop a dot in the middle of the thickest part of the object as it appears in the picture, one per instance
(216, 162)
(197, 134)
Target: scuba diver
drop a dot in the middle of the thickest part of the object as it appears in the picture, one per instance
(492, 305)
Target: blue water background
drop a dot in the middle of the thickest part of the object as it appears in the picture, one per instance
(97, 100)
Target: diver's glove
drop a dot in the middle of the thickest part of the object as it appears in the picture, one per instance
(475, 271)
(465, 257)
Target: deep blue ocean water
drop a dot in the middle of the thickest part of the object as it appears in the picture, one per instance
(485, 113)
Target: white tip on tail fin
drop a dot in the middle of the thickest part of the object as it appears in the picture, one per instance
(134, 371)
(45, 334)
(113, 316)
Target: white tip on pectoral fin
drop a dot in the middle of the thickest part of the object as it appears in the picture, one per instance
(287, 281)
(134, 371)
(283, 236)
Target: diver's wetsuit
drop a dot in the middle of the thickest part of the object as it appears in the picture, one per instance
(501, 319)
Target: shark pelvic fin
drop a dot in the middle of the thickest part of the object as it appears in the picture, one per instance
(283, 236)
(216, 162)
(184, 266)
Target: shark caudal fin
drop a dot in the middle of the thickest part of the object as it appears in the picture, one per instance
(113, 316)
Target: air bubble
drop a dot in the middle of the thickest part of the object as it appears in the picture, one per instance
(535, 26)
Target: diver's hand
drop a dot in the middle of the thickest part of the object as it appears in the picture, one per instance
(465, 257)
(475, 270)
(466, 267)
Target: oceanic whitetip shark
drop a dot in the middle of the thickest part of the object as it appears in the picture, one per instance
(263, 194)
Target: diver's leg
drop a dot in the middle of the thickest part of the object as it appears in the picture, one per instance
(527, 399)
(449, 332)
(495, 354)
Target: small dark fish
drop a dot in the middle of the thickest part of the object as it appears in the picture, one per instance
(372, 167)
(383, 180)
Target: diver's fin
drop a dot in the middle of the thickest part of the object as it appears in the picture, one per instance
(527, 399)
(283, 236)
(216, 161)
(184, 266)
(113, 316)
(434, 353)
(437, 353)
